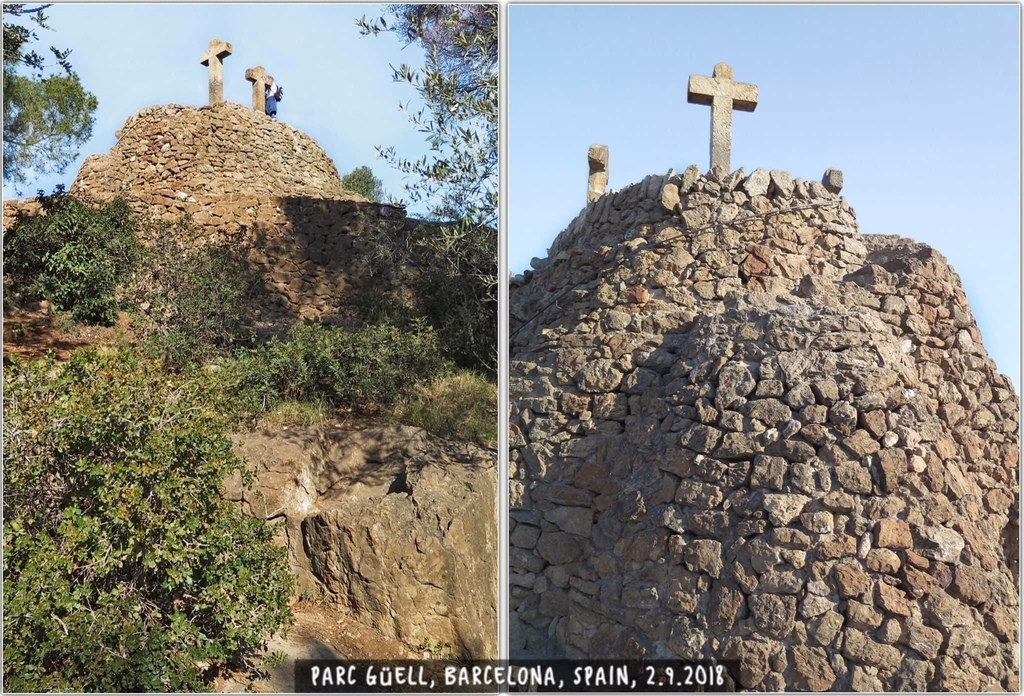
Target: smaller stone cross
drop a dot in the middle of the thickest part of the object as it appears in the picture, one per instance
(597, 157)
(259, 79)
(723, 95)
(214, 57)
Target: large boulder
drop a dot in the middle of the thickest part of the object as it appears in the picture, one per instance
(397, 527)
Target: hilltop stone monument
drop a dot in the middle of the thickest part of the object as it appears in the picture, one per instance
(742, 430)
(259, 79)
(597, 157)
(214, 57)
(722, 95)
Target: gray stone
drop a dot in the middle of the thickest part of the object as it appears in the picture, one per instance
(734, 381)
(701, 438)
(558, 548)
(575, 520)
(832, 180)
(599, 376)
(939, 543)
(783, 508)
(597, 181)
(773, 614)
(782, 184)
(705, 556)
(524, 536)
(756, 184)
(670, 198)
(763, 557)
(690, 177)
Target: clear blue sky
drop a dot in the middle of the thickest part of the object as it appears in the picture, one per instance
(917, 105)
(338, 85)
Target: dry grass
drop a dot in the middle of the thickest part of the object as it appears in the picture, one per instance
(294, 414)
(459, 406)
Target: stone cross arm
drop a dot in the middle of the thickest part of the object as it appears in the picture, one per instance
(218, 51)
(703, 90)
(214, 57)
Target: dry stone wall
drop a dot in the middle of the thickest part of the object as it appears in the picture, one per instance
(172, 156)
(740, 429)
(250, 183)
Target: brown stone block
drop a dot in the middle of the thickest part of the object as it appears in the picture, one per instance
(893, 534)
(851, 580)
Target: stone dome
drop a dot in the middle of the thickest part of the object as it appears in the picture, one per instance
(742, 430)
(204, 154)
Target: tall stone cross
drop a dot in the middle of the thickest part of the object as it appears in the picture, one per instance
(214, 57)
(259, 79)
(723, 95)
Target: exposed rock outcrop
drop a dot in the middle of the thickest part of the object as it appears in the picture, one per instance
(740, 429)
(397, 527)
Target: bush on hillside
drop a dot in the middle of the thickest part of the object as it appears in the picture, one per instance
(458, 406)
(124, 567)
(369, 366)
(457, 291)
(454, 285)
(76, 256)
(198, 301)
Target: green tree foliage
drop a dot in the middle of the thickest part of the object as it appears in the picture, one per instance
(76, 256)
(362, 181)
(197, 302)
(47, 117)
(458, 179)
(124, 566)
(459, 87)
(366, 367)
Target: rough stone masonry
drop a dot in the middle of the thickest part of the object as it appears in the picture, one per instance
(252, 184)
(741, 429)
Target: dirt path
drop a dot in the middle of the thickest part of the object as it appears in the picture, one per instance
(31, 334)
(321, 631)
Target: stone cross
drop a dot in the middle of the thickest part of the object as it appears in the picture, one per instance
(597, 156)
(259, 79)
(723, 95)
(214, 57)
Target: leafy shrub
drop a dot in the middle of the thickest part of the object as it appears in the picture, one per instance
(123, 564)
(198, 302)
(362, 181)
(75, 256)
(459, 406)
(367, 366)
(454, 284)
(457, 291)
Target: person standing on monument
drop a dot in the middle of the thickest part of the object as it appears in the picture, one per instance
(274, 95)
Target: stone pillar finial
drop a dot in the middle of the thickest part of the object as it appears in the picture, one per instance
(259, 79)
(723, 95)
(833, 180)
(597, 157)
(214, 57)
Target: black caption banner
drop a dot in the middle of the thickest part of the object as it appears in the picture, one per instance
(492, 676)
